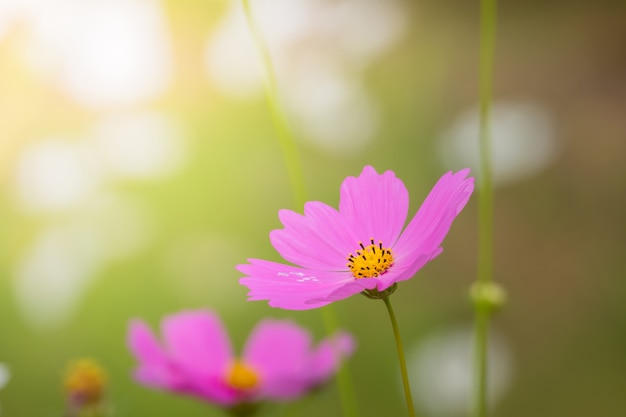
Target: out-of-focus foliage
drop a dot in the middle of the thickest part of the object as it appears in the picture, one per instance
(139, 165)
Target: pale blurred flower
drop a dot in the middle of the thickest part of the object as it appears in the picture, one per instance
(58, 268)
(319, 49)
(56, 174)
(332, 108)
(140, 145)
(98, 226)
(523, 140)
(54, 271)
(101, 52)
(5, 375)
(441, 371)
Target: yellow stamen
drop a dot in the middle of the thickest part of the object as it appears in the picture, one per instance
(370, 261)
(85, 381)
(242, 377)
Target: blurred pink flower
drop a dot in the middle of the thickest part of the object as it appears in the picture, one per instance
(196, 358)
(358, 248)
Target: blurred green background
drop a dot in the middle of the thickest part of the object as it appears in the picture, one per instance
(139, 165)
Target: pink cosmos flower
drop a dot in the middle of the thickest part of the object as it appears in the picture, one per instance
(360, 247)
(196, 358)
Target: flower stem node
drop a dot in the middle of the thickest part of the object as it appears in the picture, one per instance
(488, 296)
(374, 294)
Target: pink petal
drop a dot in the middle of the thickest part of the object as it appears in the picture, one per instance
(426, 231)
(279, 350)
(143, 344)
(328, 356)
(290, 287)
(198, 343)
(159, 369)
(403, 268)
(419, 263)
(213, 390)
(354, 287)
(375, 206)
(320, 239)
(154, 368)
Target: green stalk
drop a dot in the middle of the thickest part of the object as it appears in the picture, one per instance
(403, 370)
(481, 328)
(485, 210)
(296, 179)
(285, 137)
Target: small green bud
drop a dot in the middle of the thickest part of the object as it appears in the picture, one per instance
(488, 296)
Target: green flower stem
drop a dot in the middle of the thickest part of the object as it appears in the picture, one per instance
(285, 137)
(485, 205)
(296, 179)
(344, 379)
(405, 375)
(481, 328)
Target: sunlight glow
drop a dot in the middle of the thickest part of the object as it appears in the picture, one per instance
(102, 53)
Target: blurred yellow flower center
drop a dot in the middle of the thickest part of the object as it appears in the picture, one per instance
(85, 381)
(242, 377)
(370, 261)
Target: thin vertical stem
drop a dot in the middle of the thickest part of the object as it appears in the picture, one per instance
(285, 138)
(296, 179)
(481, 331)
(485, 196)
(344, 379)
(403, 370)
(485, 204)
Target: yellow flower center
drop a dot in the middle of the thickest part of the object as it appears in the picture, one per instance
(85, 381)
(370, 261)
(242, 377)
